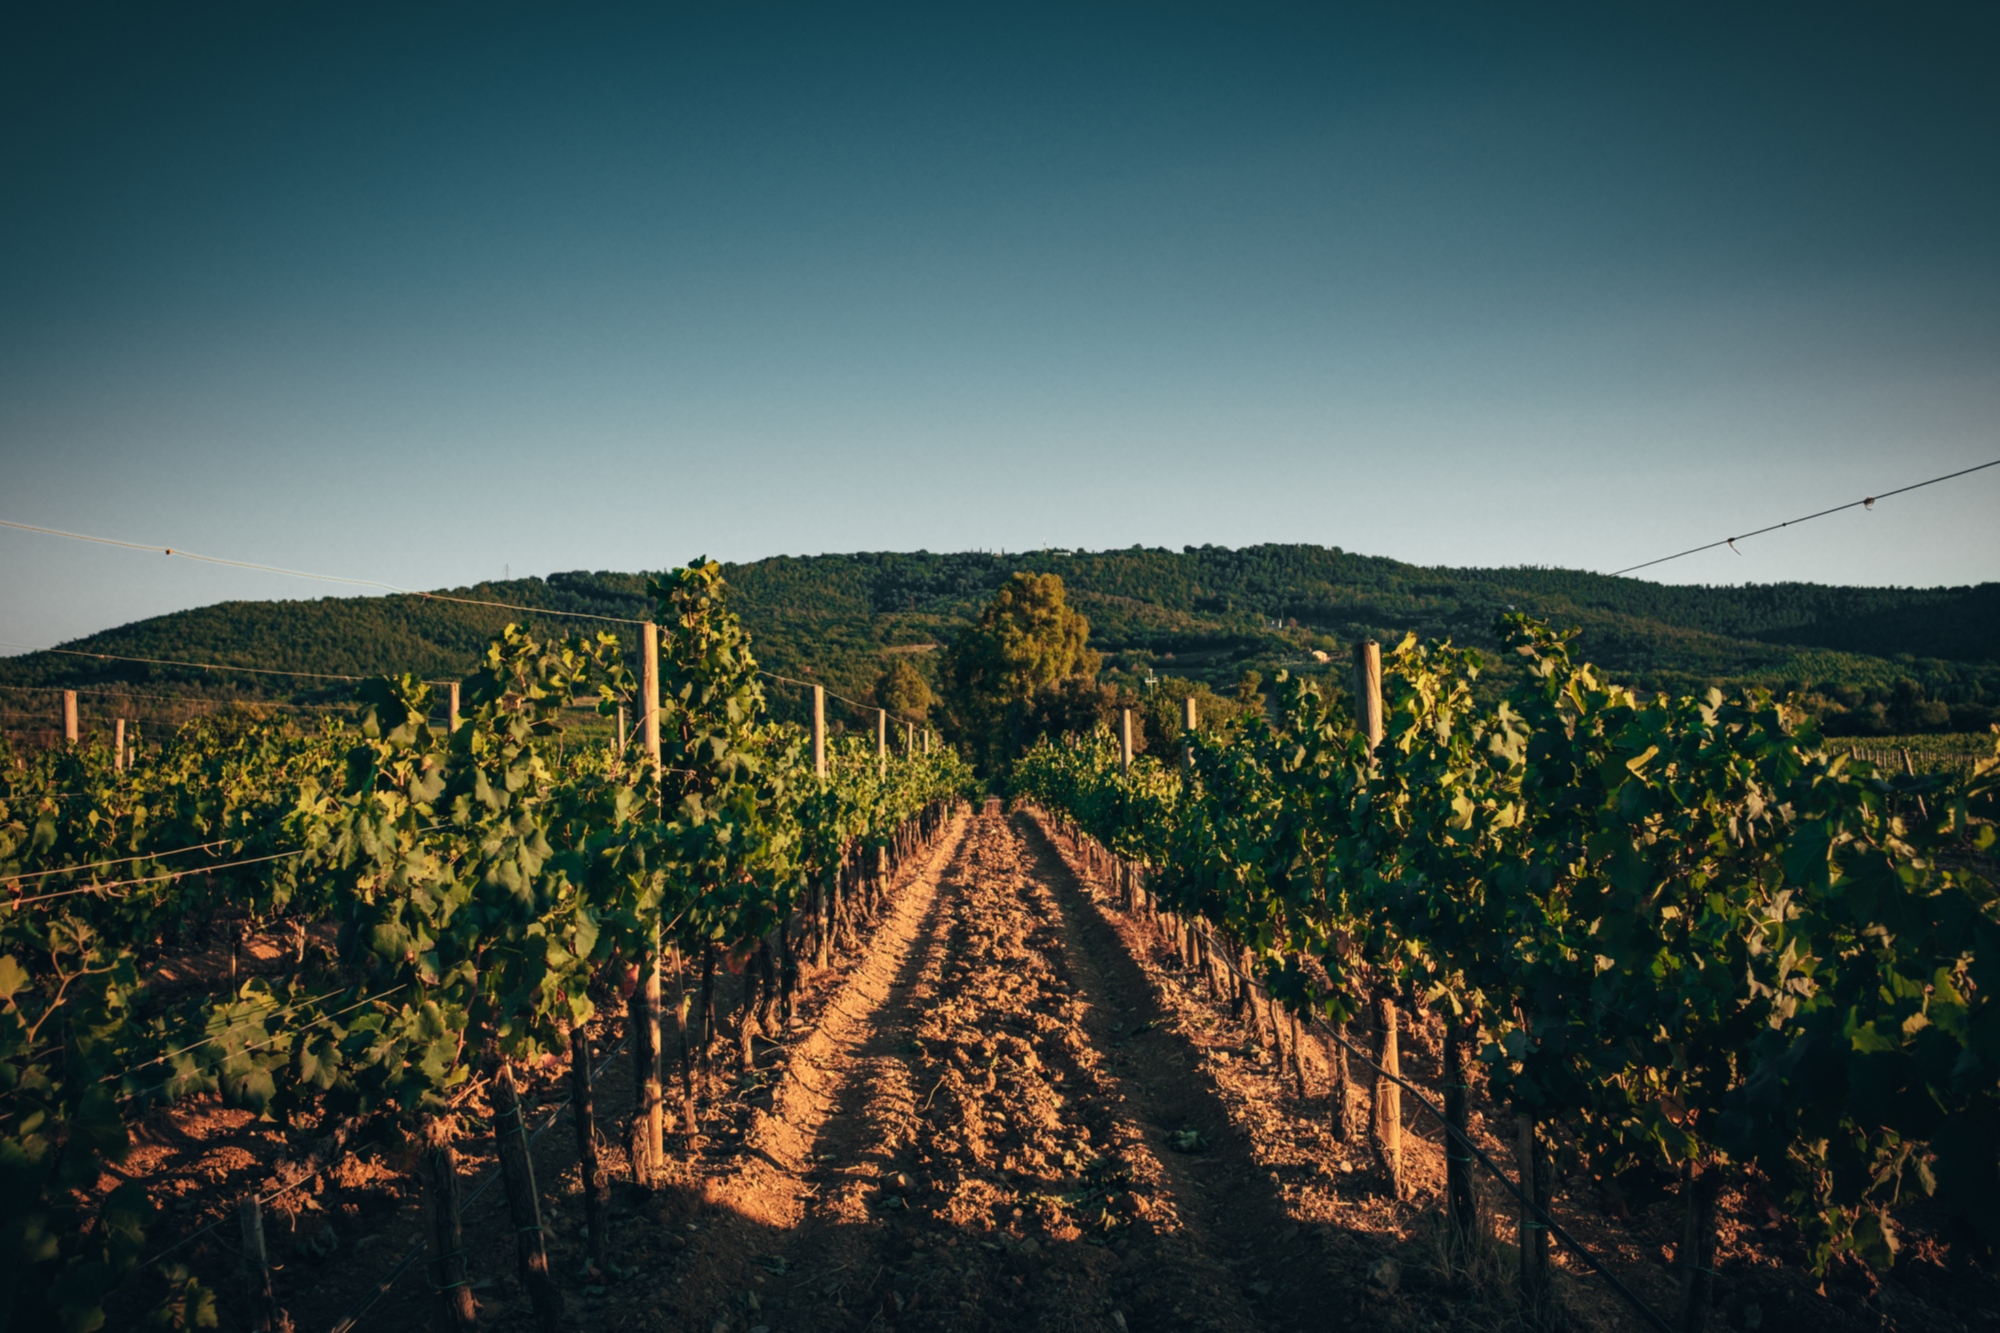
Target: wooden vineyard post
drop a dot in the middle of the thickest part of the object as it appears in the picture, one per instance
(118, 744)
(257, 1267)
(623, 740)
(1910, 771)
(649, 690)
(909, 738)
(583, 1102)
(927, 740)
(69, 716)
(819, 732)
(1190, 719)
(683, 1004)
(1696, 1258)
(1368, 691)
(1389, 1101)
(446, 1241)
(647, 1044)
(1462, 1203)
(453, 725)
(1124, 740)
(646, 1027)
(1337, 1092)
(881, 770)
(1533, 1167)
(517, 1170)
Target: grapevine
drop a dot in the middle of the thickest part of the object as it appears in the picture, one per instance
(457, 904)
(1684, 935)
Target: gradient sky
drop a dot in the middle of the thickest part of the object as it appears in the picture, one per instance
(426, 297)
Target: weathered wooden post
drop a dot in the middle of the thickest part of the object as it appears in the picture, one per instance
(517, 1169)
(1190, 719)
(882, 770)
(446, 1240)
(1462, 1201)
(69, 716)
(1696, 1258)
(454, 708)
(1125, 740)
(819, 731)
(1909, 771)
(1368, 691)
(118, 744)
(1533, 1166)
(257, 1266)
(1389, 1101)
(583, 1104)
(646, 1028)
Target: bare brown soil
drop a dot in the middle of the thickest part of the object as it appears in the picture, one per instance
(1015, 1110)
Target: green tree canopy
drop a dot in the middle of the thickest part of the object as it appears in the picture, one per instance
(902, 689)
(1027, 639)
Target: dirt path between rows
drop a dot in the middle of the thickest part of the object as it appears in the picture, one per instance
(981, 1137)
(1000, 1117)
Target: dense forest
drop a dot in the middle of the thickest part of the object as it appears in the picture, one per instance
(1867, 659)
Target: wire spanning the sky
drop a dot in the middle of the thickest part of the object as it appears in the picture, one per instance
(1866, 502)
(321, 578)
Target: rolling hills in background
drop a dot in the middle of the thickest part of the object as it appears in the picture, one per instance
(1870, 659)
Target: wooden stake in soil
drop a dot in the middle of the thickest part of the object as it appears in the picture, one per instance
(583, 1106)
(1696, 1258)
(1343, 1118)
(819, 731)
(649, 1038)
(517, 1172)
(454, 712)
(69, 716)
(257, 1266)
(649, 690)
(1389, 1101)
(1533, 1165)
(788, 974)
(1190, 718)
(882, 742)
(746, 1018)
(1368, 691)
(1462, 1201)
(118, 744)
(1909, 771)
(1124, 740)
(646, 1028)
(446, 1241)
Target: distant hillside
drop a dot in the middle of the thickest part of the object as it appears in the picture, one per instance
(1870, 658)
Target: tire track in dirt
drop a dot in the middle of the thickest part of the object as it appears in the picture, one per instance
(1247, 1237)
(757, 1231)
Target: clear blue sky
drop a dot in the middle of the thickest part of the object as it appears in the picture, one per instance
(422, 297)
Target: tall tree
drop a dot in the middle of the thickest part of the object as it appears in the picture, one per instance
(1027, 639)
(902, 689)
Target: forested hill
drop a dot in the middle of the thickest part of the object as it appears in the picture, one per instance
(1897, 657)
